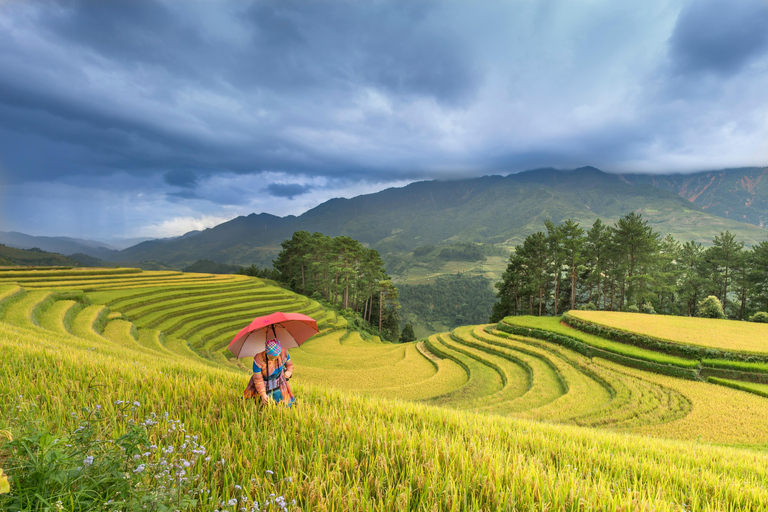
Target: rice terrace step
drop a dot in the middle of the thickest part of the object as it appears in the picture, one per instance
(509, 399)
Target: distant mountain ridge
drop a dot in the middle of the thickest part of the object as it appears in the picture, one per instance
(739, 194)
(57, 244)
(489, 209)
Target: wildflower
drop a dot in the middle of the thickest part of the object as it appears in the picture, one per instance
(238, 487)
(88, 460)
(270, 472)
(137, 404)
(232, 502)
(139, 468)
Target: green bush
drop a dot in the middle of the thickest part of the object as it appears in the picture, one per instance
(633, 309)
(587, 307)
(760, 317)
(710, 308)
(647, 308)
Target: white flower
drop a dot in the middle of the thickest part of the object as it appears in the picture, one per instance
(232, 502)
(88, 460)
(139, 468)
(137, 404)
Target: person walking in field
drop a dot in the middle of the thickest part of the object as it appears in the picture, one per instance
(271, 370)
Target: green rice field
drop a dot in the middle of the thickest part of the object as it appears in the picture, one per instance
(473, 419)
(731, 335)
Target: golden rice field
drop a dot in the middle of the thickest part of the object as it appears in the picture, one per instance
(475, 419)
(729, 335)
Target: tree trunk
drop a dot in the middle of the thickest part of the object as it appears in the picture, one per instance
(541, 292)
(597, 303)
(613, 291)
(573, 288)
(381, 308)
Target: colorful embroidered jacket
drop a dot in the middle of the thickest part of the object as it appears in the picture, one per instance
(269, 379)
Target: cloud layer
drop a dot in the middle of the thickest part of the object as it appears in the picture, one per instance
(207, 110)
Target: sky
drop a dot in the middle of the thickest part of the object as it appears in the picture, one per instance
(151, 118)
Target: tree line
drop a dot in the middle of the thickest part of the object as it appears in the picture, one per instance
(630, 267)
(343, 272)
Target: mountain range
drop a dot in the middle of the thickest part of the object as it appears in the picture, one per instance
(500, 210)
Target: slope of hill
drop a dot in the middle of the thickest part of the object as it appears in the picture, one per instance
(10, 256)
(738, 194)
(491, 209)
(132, 362)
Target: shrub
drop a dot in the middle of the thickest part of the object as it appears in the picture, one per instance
(647, 308)
(760, 317)
(587, 307)
(125, 463)
(633, 309)
(711, 307)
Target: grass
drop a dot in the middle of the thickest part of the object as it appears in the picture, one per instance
(442, 424)
(729, 335)
(337, 449)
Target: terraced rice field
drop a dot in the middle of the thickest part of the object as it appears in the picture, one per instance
(474, 419)
(729, 335)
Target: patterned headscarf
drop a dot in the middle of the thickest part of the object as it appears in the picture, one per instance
(273, 348)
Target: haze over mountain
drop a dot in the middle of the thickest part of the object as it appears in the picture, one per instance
(491, 209)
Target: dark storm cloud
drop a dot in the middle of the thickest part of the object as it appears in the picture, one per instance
(191, 105)
(719, 36)
(289, 190)
(181, 178)
(269, 55)
(184, 194)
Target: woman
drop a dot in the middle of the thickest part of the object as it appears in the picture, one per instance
(271, 371)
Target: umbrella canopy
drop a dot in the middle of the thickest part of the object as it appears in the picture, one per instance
(290, 329)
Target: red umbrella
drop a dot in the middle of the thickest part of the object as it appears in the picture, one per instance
(290, 329)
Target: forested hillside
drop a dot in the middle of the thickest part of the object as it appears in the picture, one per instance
(448, 302)
(739, 194)
(10, 256)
